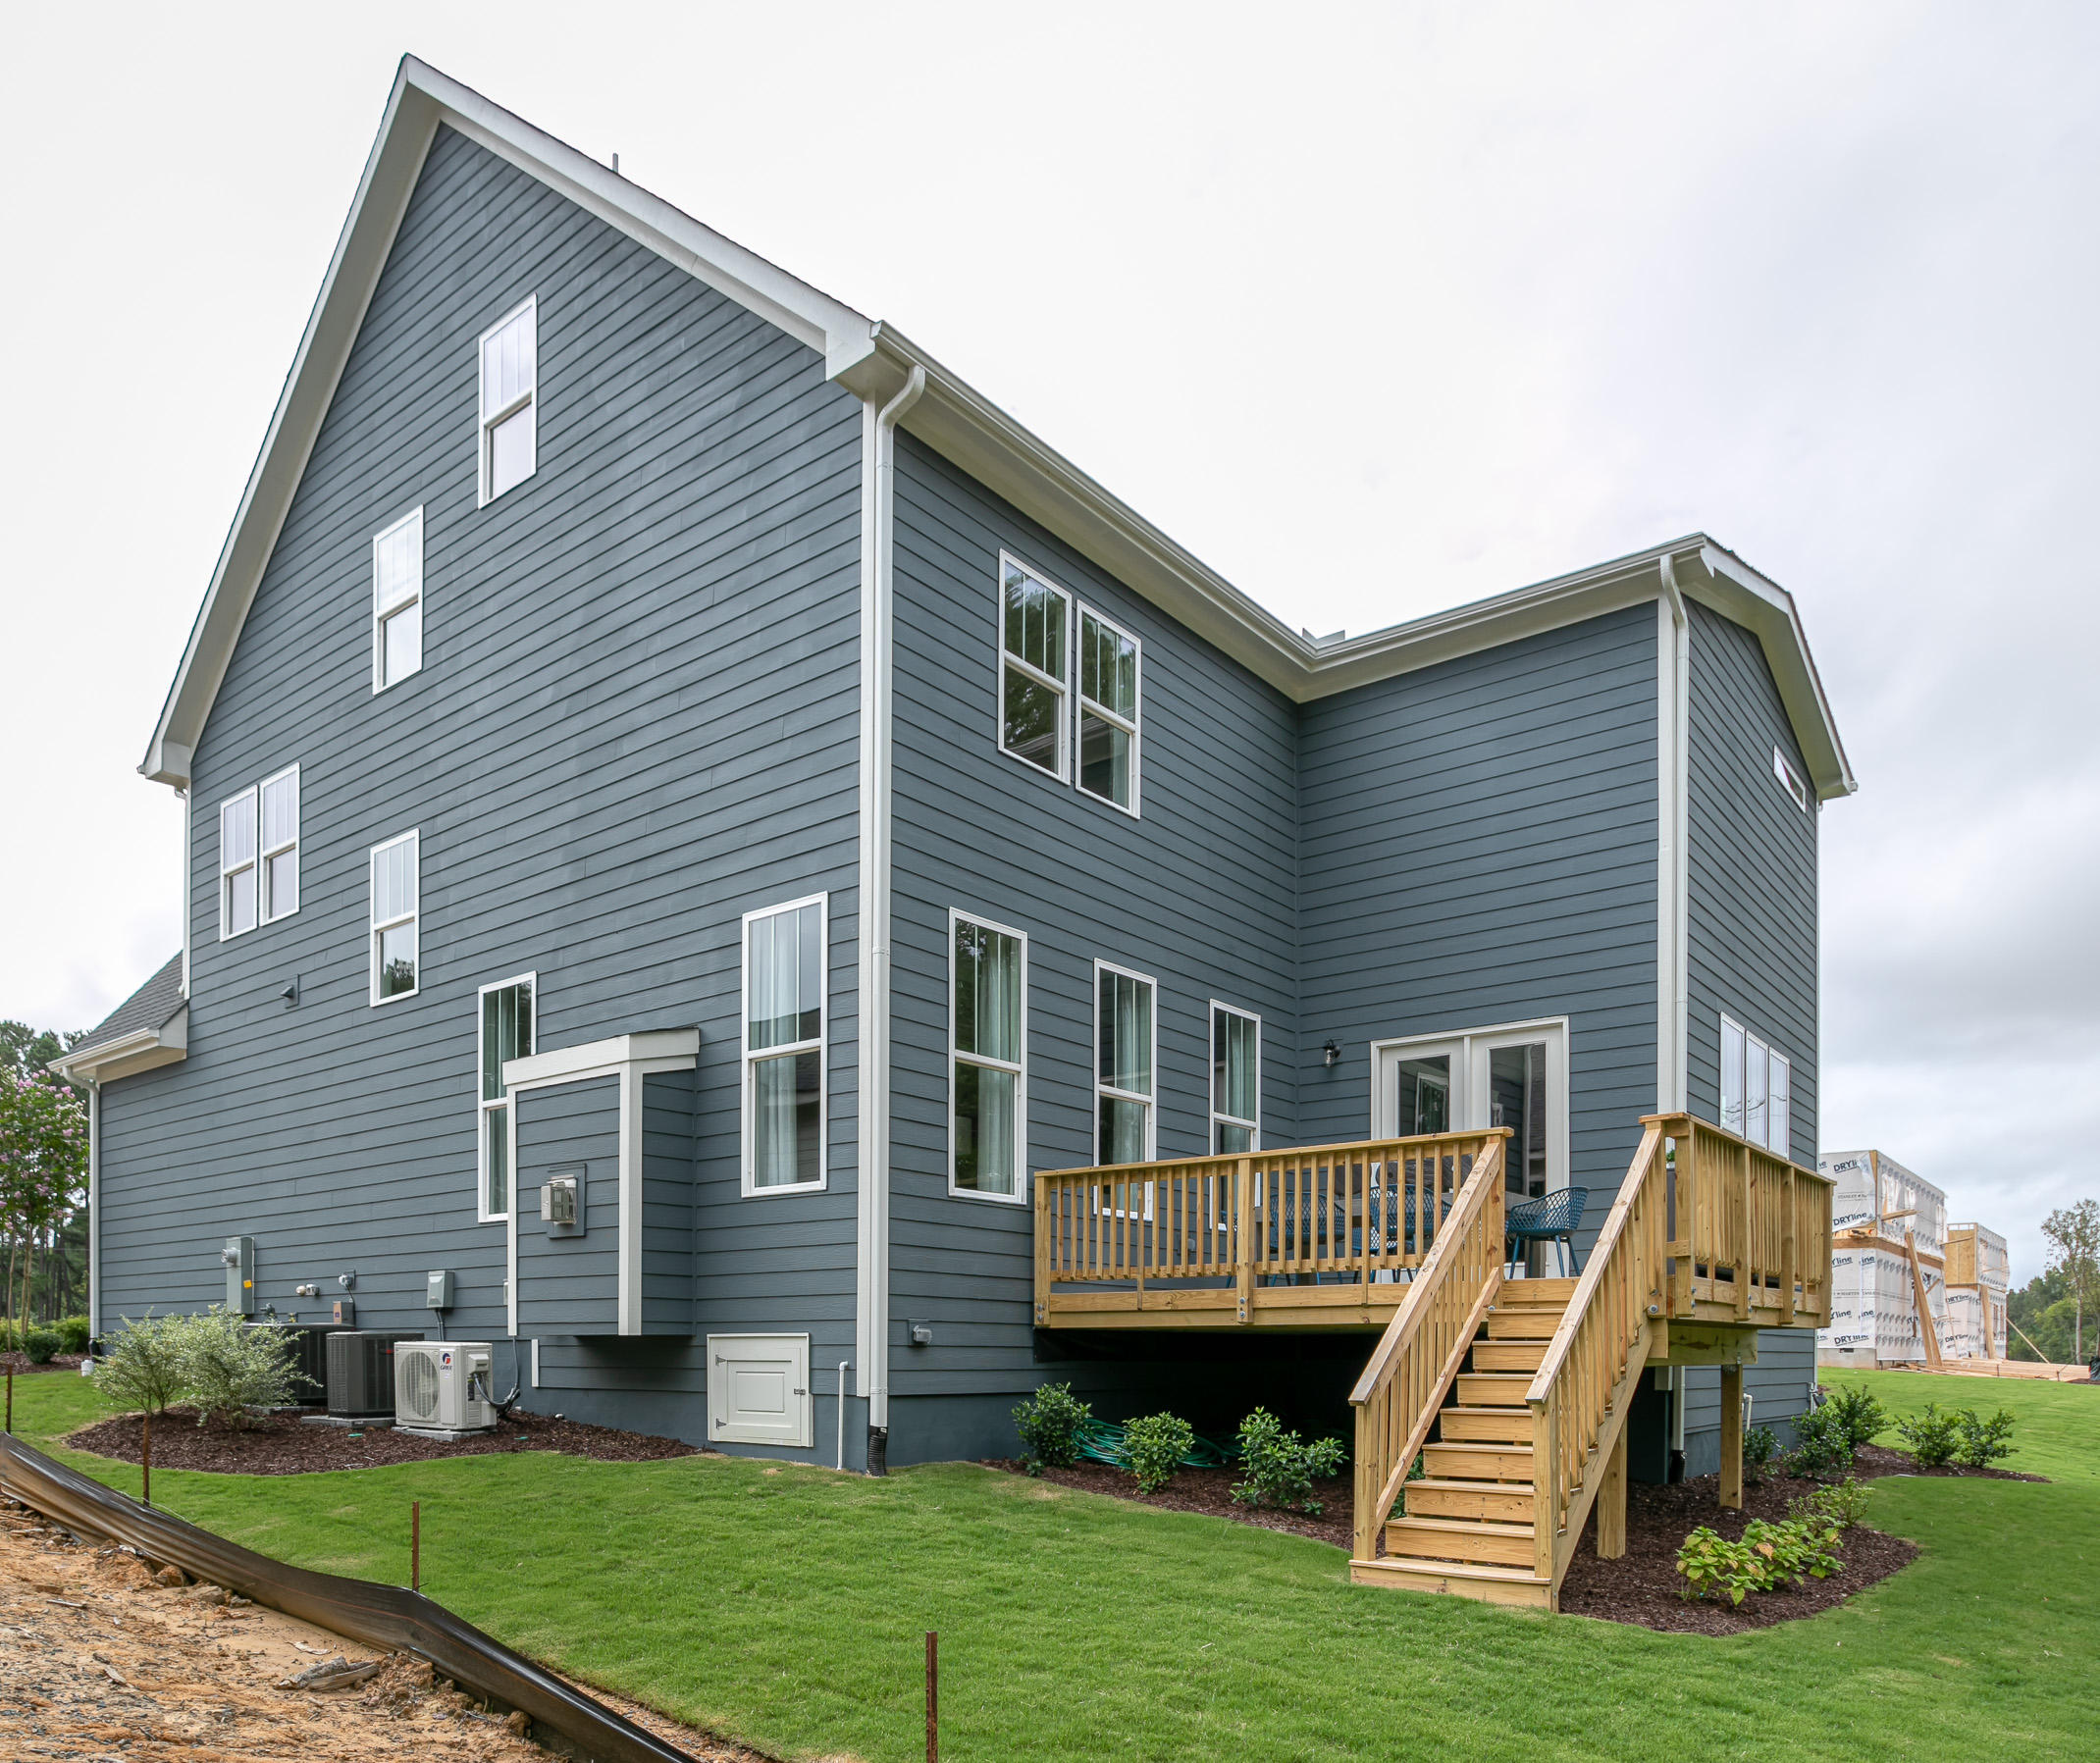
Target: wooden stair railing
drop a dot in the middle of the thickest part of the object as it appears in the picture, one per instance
(1423, 1347)
(1584, 1384)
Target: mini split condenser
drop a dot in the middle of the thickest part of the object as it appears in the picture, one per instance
(443, 1386)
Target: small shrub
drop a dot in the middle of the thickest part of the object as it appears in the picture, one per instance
(1822, 1444)
(1858, 1414)
(1155, 1445)
(75, 1332)
(1760, 1444)
(1795, 1549)
(144, 1370)
(1280, 1467)
(1767, 1557)
(1843, 1504)
(230, 1367)
(41, 1344)
(1049, 1423)
(1932, 1438)
(1983, 1442)
(1712, 1567)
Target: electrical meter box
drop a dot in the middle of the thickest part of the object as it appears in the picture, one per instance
(438, 1290)
(564, 1202)
(240, 1258)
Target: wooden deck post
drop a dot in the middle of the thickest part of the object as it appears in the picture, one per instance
(1611, 1503)
(1243, 1233)
(1732, 1437)
(1043, 1215)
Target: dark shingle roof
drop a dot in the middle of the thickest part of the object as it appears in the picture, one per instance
(153, 1006)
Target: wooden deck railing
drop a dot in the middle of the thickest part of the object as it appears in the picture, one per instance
(1399, 1395)
(1334, 1214)
(1749, 1231)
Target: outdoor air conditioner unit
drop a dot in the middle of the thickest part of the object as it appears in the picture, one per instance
(360, 1372)
(442, 1386)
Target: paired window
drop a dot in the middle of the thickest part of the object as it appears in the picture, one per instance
(784, 1048)
(395, 887)
(506, 1023)
(1235, 1079)
(987, 1133)
(1789, 779)
(509, 401)
(1037, 660)
(259, 855)
(1122, 1064)
(397, 601)
(1756, 1088)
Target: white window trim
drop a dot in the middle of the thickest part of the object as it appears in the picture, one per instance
(1789, 779)
(1218, 1118)
(1002, 657)
(1132, 726)
(822, 1047)
(1773, 1057)
(1093, 1061)
(1020, 1070)
(264, 852)
(374, 925)
(380, 682)
(485, 419)
(483, 1106)
(253, 797)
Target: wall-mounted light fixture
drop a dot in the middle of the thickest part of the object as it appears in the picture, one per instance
(1332, 1051)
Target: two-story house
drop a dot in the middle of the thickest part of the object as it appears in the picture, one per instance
(657, 744)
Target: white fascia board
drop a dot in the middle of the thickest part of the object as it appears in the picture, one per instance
(421, 99)
(652, 1050)
(140, 1051)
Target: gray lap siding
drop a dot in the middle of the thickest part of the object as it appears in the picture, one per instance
(634, 722)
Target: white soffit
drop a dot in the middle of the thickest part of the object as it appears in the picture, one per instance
(872, 360)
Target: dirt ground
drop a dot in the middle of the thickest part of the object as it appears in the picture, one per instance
(99, 1663)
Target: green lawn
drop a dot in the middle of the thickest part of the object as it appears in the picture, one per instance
(785, 1606)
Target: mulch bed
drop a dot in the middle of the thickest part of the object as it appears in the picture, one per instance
(19, 1364)
(1642, 1587)
(283, 1444)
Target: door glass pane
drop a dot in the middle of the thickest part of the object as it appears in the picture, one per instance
(1516, 1099)
(785, 1116)
(1424, 1100)
(985, 1129)
(1123, 1130)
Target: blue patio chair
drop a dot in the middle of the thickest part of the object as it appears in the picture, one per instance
(1550, 1219)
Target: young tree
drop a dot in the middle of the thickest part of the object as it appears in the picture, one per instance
(2073, 1234)
(43, 1167)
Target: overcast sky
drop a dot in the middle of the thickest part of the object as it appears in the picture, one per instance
(1376, 310)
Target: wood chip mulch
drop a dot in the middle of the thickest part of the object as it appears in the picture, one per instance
(18, 1363)
(1642, 1587)
(283, 1444)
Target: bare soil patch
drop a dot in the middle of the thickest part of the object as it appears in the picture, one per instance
(283, 1444)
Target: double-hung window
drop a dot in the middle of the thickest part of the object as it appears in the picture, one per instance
(396, 888)
(281, 845)
(397, 601)
(1108, 711)
(506, 1019)
(784, 1048)
(987, 1132)
(509, 401)
(1123, 1065)
(1757, 1089)
(1235, 1079)
(237, 882)
(1034, 691)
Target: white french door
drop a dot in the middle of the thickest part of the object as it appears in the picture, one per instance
(1513, 1075)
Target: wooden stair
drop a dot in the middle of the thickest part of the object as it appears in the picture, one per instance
(1466, 1528)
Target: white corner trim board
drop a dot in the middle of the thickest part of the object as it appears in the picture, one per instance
(1673, 719)
(630, 1057)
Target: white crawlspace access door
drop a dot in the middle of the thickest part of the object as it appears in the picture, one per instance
(759, 1390)
(1513, 1075)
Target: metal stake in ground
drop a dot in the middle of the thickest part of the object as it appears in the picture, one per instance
(146, 1463)
(11, 1399)
(933, 1697)
(415, 1545)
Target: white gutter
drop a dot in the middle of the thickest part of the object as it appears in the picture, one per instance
(94, 1209)
(1673, 717)
(870, 1332)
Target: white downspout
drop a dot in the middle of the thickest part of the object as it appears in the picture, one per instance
(95, 1209)
(878, 455)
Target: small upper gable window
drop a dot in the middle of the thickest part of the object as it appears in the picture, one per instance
(1034, 669)
(236, 864)
(1789, 779)
(397, 601)
(509, 401)
(1108, 711)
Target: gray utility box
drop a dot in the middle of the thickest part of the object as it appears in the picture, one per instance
(240, 1258)
(438, 1290)
(360, 1371)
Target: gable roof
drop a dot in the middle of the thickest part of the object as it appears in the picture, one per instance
(874, 360)
(148, 1028)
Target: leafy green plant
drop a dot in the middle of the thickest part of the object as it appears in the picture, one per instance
(1280, 1467)
(1983, 1442)
(1931, 1438)
(1760, 1444)
(1766, 1557)
(41, 1344)
(230, 1367)
(1842, 1503)
(1822, 1444)
(1795, 1549)
(75, 1332)
(1713, 1567)
(1049, 1422)
(1155, 1444)
(1856, 1414)
(144, 1370)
